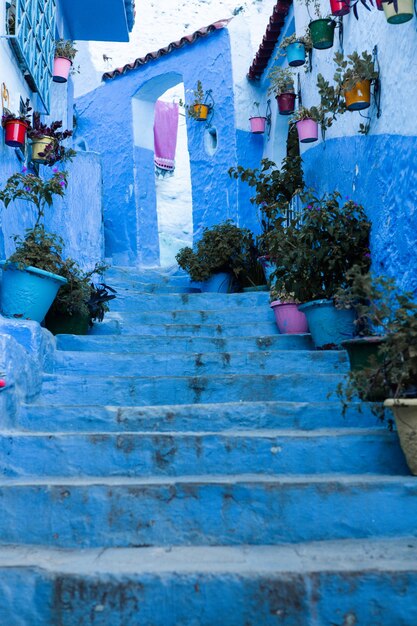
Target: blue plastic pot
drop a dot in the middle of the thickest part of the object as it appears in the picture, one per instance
(328, 326)
(296, 54)
(28, 294)
(218, 283)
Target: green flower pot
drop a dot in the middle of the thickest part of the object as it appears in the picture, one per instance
(67, 324)
(322, 33)
(362, 352)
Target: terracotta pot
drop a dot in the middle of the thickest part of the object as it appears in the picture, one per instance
(405, 414)
(359, 97)
(201, 112)
(286, 103)
(15, 133)
(257, 125)
(62, 67)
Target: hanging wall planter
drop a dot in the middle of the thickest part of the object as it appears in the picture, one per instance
(257, 125)
(201, 112)
(296, 54)
(339, 7)
(308, 131)
(286, 103)
(359, 97)
(15, 133)
(379, 5)
(38, 148)
(62, 67)
(398, 11)
(322, 33)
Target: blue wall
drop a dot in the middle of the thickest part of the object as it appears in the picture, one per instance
(106, 122)
(380, 172)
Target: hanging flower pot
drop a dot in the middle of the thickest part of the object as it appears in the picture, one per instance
(359, 97)
(38, 147)
(308, 130)
(296, 54)
(15, 133)
(398, 11)
(201, 112)
(286, 103)
(257, 125)
(339, 7)
(62, 67)
(379, 5)
(322, 33)
(289, 319)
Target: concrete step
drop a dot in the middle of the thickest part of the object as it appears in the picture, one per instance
(205, 510)
(182, 364)
(194, 417)
(140, 391)
(245, 329)
(156, 275)
(375, 451)
(245, 315)
(369, 583)
(197, 345)
(130, 300)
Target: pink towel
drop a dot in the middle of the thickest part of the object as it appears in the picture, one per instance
(165, 134)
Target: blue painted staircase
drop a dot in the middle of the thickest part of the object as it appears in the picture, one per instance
(186, 466)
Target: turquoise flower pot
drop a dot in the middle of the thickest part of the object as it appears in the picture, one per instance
(28, 294)
(296, 54)
(328, 326)
(222, 282)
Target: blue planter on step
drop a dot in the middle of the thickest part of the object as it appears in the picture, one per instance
(296, 54)
(218, 283)
(28, 293)
(328, 326)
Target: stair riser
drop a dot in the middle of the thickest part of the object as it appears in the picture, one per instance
(146, 455)
(171, 599)
(198, 330)
(146, 391)
(246, 315)
(129, 301)
(192, 418)
(206, 514)
(140, 364)
(197, 345)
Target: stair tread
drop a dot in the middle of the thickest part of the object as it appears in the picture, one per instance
(345, 555)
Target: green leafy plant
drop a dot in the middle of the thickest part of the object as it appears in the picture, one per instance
(257, 112)
(22, 116)
(392, 313)
(294, 38)
(317, 248)
(222, 248)
(281, 81)
(199, 97)
(315, 5)
(55, 151)
(65, 48)
(311, 113)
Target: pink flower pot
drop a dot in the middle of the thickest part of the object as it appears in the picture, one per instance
(308, 131)
(257, 125)
(289, 319)
(62, 68)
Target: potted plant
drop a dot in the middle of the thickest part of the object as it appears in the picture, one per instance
(282, 85)
(392, 374)
(47, 142)
(314, 253)
(353, 76)
(257, 122)
(65, 52)
(79, 302)
(220, 257)
(307, 120)
(16, 125)
(322, 28)
(289, 319)
(31, 276)
(398, 11)
(295, 48)
(199, 107)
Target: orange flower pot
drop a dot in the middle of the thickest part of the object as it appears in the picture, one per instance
(201, 112)
(359, 97)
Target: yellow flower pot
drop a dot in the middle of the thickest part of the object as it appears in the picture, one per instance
(359, 97)
(39, 146)
(201, 112)
(404, 14)
(405, 413)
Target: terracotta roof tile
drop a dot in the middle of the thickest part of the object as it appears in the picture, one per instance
(175, 45)
(269, 40)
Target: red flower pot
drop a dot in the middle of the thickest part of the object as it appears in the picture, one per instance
(15, 133)
(379, 5)
(286, 103)
(339, 7)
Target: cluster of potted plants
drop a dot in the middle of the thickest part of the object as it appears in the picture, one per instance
(383, 357)
(36, 271)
